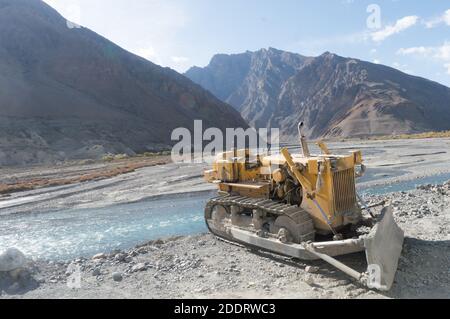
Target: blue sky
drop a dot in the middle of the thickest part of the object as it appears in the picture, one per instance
(410, 35)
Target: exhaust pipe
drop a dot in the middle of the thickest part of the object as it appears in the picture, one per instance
(303, 141)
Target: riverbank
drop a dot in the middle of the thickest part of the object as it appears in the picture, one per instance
(204, 267)
(387, 162)
(19, 179)
(200, 266)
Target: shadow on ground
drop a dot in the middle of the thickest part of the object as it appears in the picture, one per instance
(17, 282)
(423, 270)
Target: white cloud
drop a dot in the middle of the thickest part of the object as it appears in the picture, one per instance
(426, 51)
(443, 52)
(447, 66)
(432, 23)
(438, 53)
(376, 61)
(399, 26)
(444, 18)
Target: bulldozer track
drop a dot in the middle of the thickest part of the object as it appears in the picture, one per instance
(297, 214)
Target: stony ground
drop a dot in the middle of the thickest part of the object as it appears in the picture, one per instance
(204, 267)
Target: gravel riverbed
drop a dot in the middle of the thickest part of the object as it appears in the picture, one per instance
(204, 267)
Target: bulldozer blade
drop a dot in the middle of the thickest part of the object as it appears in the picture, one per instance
(383, 246)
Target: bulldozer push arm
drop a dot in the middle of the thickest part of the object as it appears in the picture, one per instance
(383, 247)
(310, 192)
(308, 187)
(296, 169)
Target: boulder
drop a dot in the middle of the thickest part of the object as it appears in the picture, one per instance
(309, 280)
(117, 276)
(99, 256)
(312, 269)
(96, 272)
(139, 267)
(12, 259)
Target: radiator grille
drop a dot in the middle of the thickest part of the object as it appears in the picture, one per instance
(344, 191)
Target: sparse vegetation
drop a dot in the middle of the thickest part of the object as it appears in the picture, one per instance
(118, 157)
(153, 154)
(114, 157)
(124, 165)
(425, 135)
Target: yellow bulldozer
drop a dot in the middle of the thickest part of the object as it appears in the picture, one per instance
(304, 206)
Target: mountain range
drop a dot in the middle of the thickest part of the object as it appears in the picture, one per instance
(333, 95)
(68, 93)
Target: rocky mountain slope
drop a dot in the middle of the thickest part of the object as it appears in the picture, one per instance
(70, 93)
(335, 96)
(251, 81)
